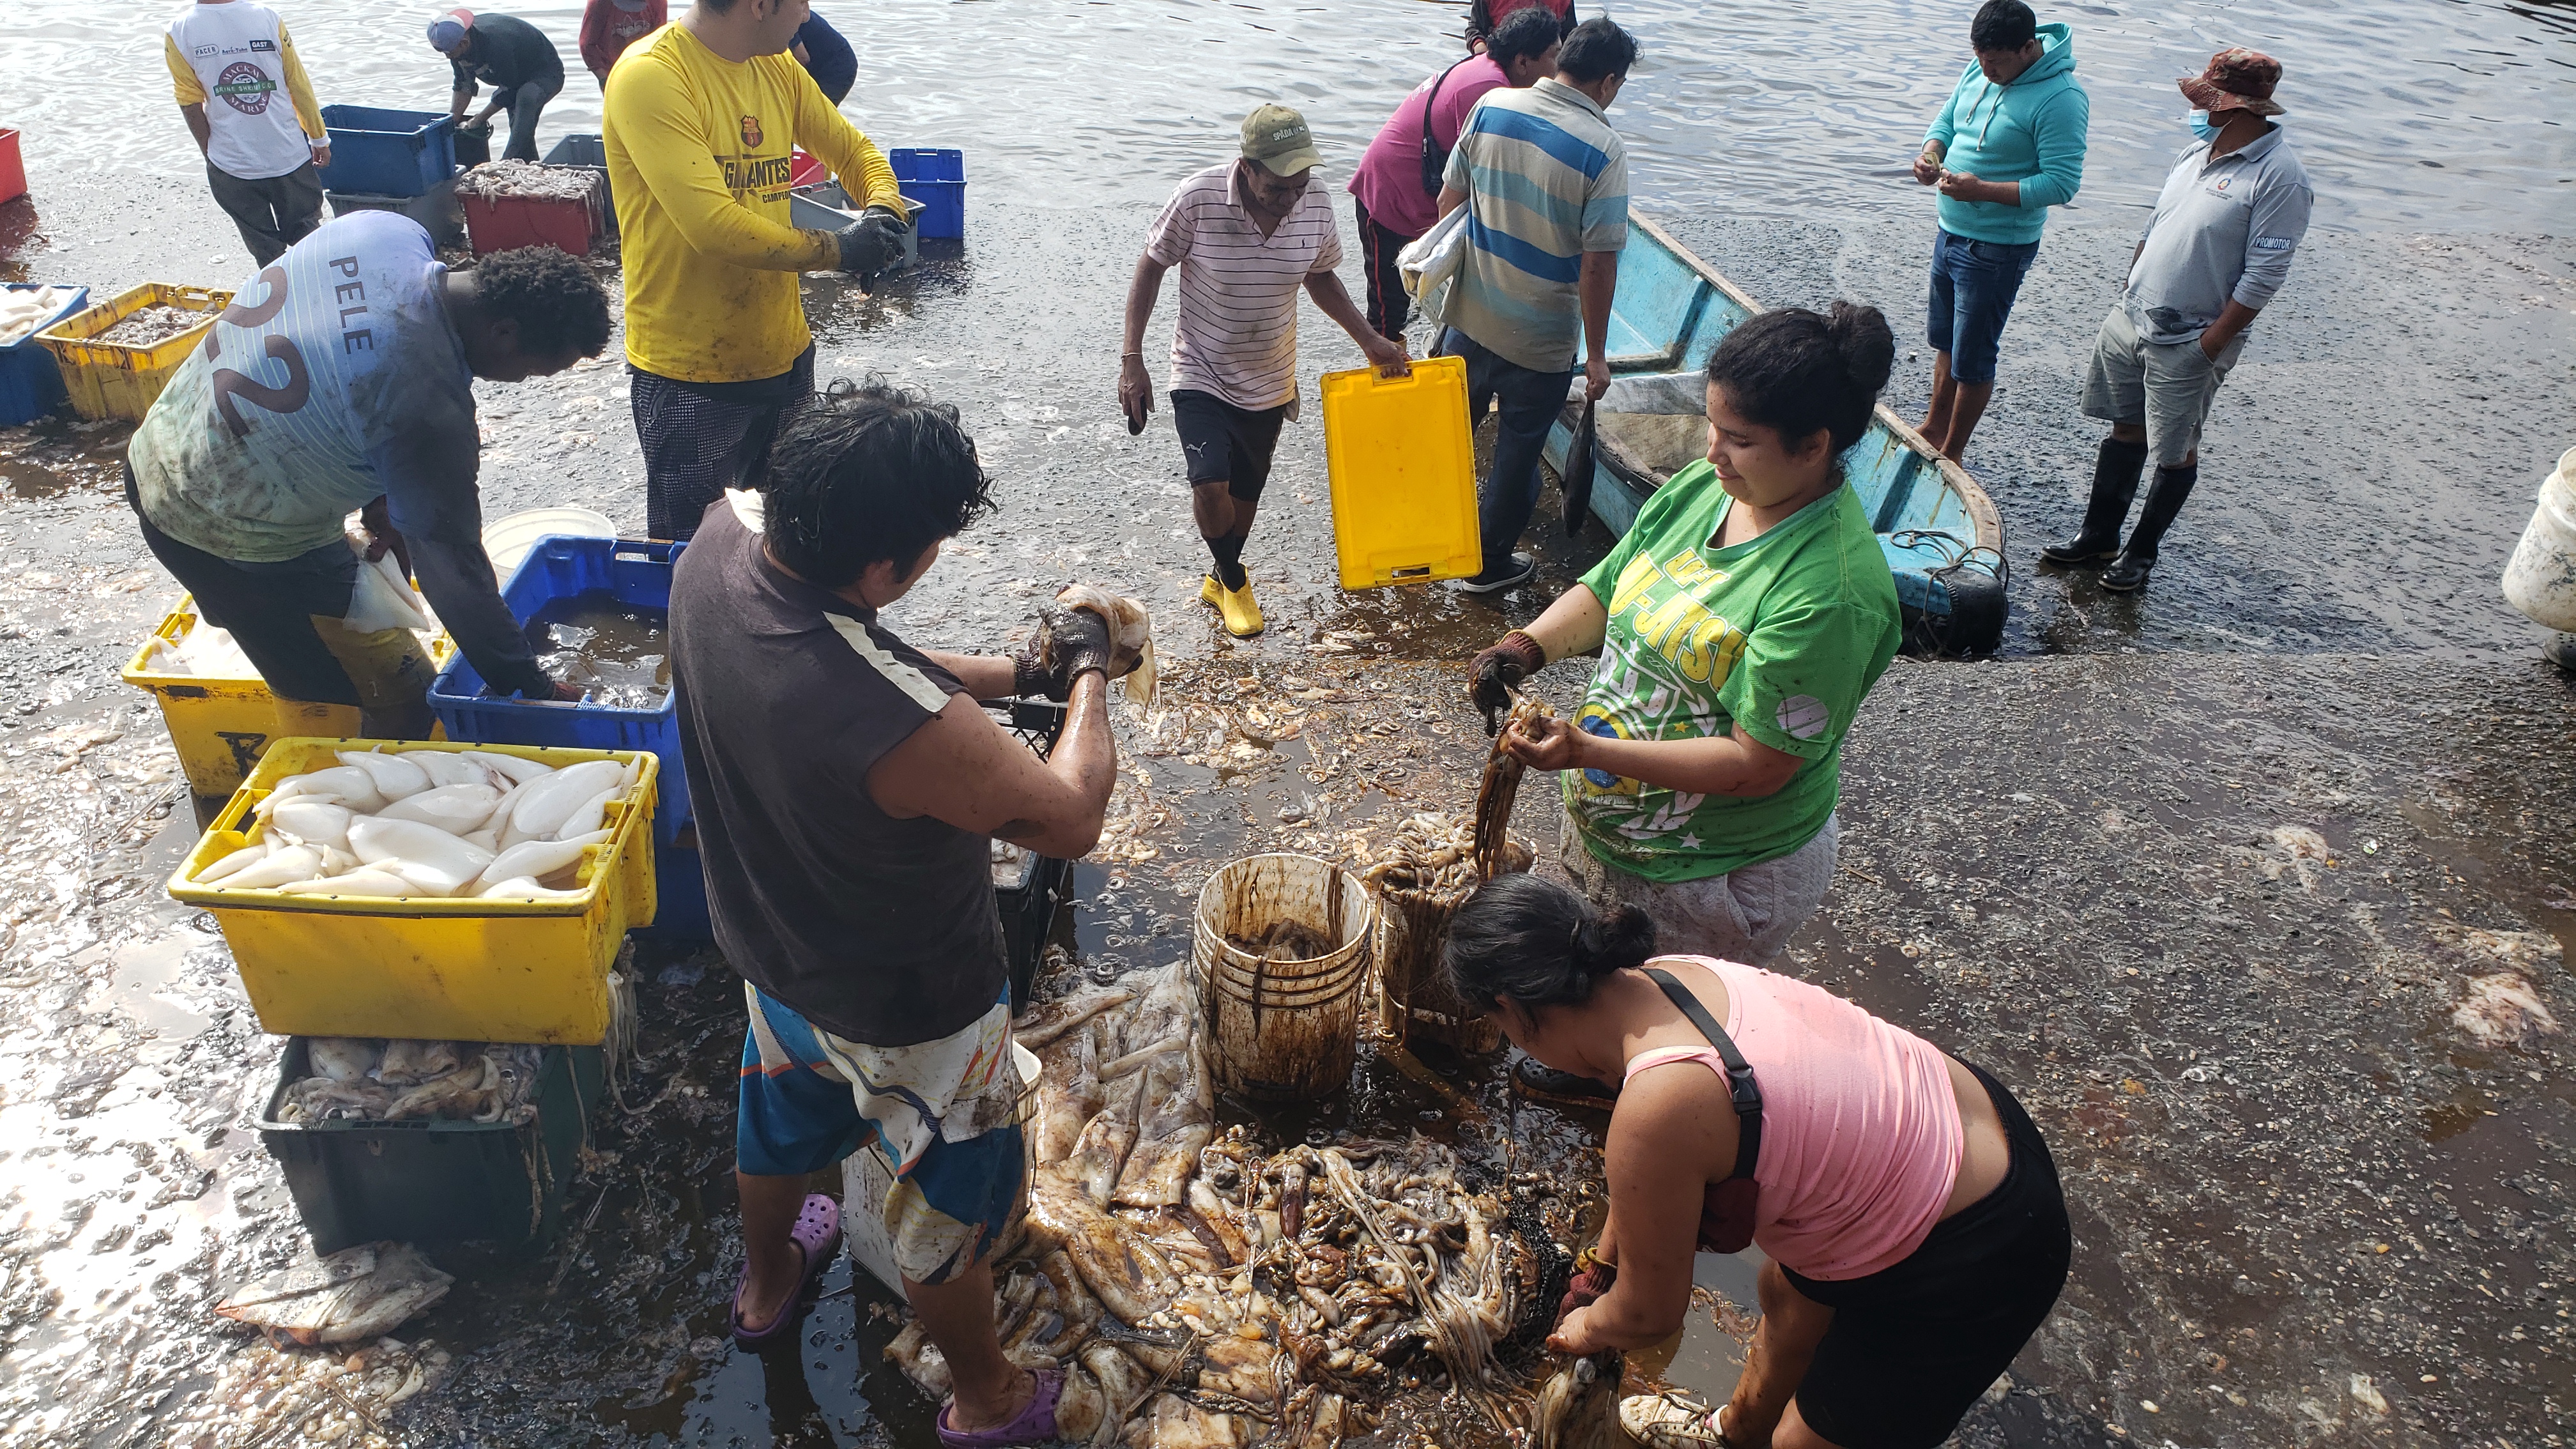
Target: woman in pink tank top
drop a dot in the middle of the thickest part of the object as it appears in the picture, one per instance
(1914, 1232)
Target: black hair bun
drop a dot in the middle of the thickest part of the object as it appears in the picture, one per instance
(1617, 941)
(1867, 346)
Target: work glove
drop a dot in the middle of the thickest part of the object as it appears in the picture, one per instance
(872, 244)
(1515, 658)
(1586, 1289)
(1068, 644)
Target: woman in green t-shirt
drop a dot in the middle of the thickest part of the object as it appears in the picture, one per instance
(1740, 622)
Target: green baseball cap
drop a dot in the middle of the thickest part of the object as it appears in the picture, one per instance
(1277, 137)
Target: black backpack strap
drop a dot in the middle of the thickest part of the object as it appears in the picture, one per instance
(1739, 1072)
(1436, 84)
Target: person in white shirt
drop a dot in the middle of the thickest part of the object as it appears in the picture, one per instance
(251, 108)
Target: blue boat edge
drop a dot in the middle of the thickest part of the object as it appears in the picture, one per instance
(1942, 535)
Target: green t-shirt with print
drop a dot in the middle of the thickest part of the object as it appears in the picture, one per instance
(1783, 634)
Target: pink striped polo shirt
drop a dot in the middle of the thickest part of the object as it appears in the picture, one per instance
(1236, 332)
(1861, 1141)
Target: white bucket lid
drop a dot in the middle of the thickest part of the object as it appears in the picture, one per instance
(509, 540)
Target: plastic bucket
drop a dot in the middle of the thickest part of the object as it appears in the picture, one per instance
(509, 540)
(1282, 1031)
(867, 1181)
(2540, 579)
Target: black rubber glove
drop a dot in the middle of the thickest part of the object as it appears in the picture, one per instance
(1586, 1289)
(1068, 644)
(1514, 658)
(872, 244)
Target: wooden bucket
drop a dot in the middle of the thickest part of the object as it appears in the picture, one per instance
(1282, 1031)
(1413, 991)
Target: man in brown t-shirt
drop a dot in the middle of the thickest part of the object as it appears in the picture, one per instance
(847, 788)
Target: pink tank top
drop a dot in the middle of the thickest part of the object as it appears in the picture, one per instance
(1860, 1130)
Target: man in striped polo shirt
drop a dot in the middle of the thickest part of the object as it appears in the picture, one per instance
(1545, 181)
(1246, 235)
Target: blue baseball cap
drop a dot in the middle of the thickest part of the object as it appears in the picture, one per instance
(447, 32)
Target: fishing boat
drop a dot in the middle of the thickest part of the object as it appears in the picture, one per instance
(1942, 536)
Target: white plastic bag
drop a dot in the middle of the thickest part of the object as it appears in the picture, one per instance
(383, 598)
(1430, 263)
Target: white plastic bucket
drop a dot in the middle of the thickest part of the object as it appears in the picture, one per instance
(1282, 1031)
(509, 540)
(2541, 578)
(866, 1181)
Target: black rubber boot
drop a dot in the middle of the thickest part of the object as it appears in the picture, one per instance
(1550, 1085)
(2115, 483)
(2164, 500)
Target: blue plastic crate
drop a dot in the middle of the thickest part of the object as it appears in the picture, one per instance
(636, 574)
(31, 381)
(376, 152)
(679, 895)
(936, 179)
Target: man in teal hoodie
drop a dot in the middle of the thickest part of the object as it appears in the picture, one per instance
(2008, 146)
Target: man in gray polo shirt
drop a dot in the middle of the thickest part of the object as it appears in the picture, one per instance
(2216, 251)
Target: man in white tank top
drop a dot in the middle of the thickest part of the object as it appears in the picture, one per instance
(248, 103)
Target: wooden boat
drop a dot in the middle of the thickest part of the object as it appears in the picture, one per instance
(1942, 536)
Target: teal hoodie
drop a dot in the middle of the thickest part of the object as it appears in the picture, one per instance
(2031, 131)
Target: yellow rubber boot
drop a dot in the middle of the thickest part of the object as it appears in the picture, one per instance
(1242, 616)
(1211, 593)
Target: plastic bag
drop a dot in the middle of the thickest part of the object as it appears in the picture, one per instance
(1430, 264)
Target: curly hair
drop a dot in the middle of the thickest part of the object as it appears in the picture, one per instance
(869, 474)
(559, 306)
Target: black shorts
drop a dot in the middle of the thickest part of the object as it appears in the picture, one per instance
(286, 617)
(701, 438)
(1912, 1346)
(1224, 443)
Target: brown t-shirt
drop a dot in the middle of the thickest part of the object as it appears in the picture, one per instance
(880, 930)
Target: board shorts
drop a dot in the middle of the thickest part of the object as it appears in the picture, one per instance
(289, 617)
(1915, 1344)
(2164, 387)
(702, 438)
(1222, 443)
(943, 1115)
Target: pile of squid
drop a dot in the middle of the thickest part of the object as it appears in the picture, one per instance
(1199, 1291)
(428, 822)
(1441, 858)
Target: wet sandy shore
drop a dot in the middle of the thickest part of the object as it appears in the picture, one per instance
(2207, 891)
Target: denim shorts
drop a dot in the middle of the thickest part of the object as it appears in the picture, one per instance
(1973, 286)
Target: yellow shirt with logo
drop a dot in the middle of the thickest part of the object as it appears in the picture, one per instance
(698, 151)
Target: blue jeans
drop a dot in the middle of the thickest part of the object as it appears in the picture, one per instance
(1531, 403)
(1973, 286)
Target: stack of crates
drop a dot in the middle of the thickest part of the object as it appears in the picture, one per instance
(398, 161)
(454, 968)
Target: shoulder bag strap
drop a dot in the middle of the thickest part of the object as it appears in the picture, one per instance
(1739, 1072)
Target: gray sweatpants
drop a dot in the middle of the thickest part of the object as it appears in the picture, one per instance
(272, 214)
(1745, 915)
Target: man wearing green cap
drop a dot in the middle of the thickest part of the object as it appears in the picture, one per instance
(1246, 235)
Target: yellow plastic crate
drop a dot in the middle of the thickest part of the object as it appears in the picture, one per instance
(109, 381)
(469, 970)
(1402, 461)
(221, 726)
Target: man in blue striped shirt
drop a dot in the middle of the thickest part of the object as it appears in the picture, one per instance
(1545, 181)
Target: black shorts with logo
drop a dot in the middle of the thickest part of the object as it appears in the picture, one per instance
(1913, 1345)
(1226, 444)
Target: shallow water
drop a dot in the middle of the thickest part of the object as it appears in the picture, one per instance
(2047, 860)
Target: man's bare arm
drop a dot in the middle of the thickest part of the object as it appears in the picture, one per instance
(965, 770)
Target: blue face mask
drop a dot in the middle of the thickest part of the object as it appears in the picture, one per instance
(2202, 126)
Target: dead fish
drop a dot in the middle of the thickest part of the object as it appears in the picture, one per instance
(467, 1094)
(1578, 1407)
(353, 1294)
(1068, 1095)
(1100, 1151)
(1123, 1385)
(1131, 635)
(409, 1063)
(342, 1058)
(1044, 1024)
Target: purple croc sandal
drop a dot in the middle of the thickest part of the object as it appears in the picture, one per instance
(1035, 1425)
(817, 1235)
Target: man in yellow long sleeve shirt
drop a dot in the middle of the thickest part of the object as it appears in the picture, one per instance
(229, 60)
(703, 115)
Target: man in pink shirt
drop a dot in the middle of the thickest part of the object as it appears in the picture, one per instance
(1397, 184)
